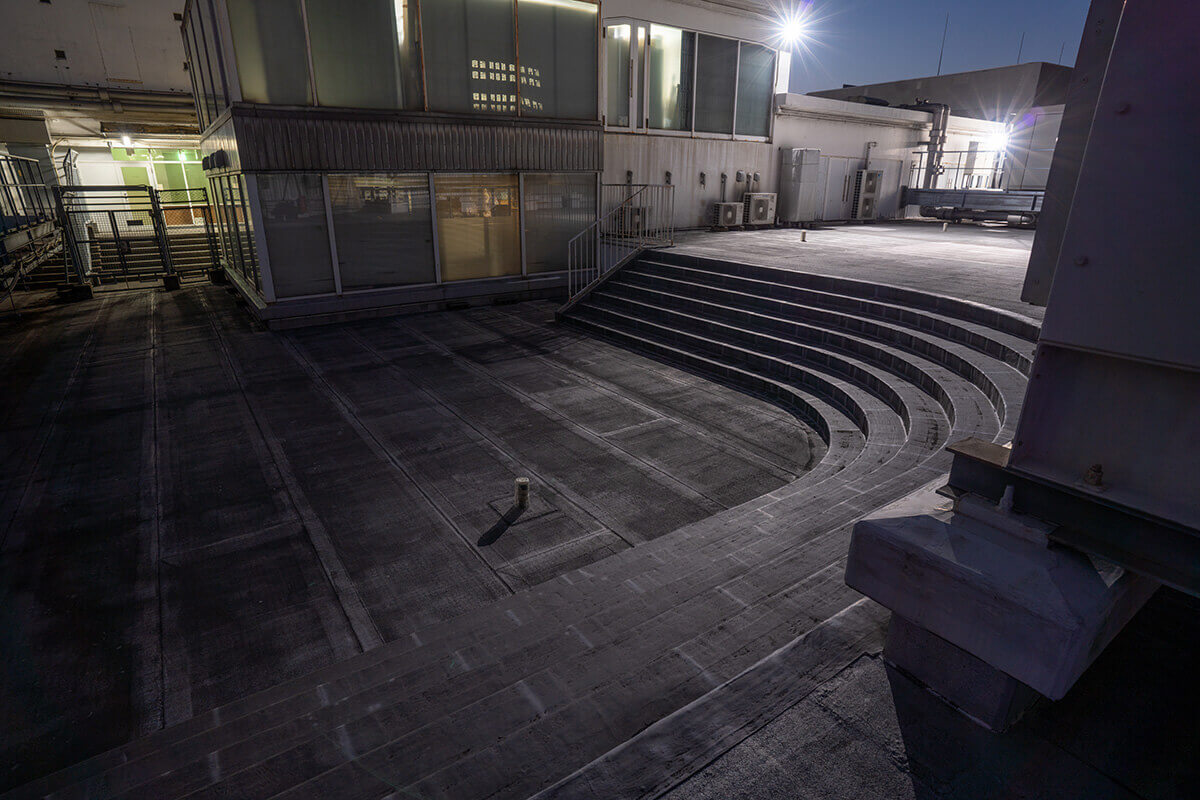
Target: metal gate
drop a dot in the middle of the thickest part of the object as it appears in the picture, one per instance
(136, 235)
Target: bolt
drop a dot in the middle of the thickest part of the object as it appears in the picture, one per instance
(1094, 475)
(1081, 261)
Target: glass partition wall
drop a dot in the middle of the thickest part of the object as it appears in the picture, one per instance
(535, 58)
(346, 233)
(663, 79)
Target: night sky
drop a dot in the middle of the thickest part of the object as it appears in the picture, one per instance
(871, 41)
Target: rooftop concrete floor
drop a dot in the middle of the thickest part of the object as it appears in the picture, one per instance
(984, 263)
(194, 509)
(199, 508)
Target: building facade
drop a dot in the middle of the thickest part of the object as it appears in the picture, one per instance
(404, 154)
(1026, 98)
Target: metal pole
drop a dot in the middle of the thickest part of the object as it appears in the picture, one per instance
(943, 50)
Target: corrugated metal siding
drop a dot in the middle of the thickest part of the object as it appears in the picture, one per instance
(305, 142)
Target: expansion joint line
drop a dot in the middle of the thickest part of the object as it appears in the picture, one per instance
(49, 425)
(356, 614)
(652, 472)
(581, 504)
(381, 450)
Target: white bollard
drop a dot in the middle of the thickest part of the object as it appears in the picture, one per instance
(521, 493)
(804, 236)
(945, 227)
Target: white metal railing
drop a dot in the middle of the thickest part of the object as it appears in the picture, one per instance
(633, 217)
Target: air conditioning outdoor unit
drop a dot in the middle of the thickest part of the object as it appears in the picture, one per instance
(727, 215)
(760, 208)
(867, 183)
(799, 185)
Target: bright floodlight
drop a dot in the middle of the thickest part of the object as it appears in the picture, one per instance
(997, 142)
(791, 29)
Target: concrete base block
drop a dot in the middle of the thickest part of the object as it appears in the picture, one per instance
(992, 584)
(170, 282)
(992, 698)
(217, 276)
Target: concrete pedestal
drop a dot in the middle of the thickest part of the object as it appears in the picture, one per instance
(988, 608)
(171, 282)
(992, 698)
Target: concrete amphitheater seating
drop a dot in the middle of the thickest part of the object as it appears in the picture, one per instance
(506, 700)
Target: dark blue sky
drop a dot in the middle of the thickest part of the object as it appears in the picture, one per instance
(871, 41)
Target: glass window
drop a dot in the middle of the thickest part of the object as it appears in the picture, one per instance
(478, 226)
(208, 38)
(230, 251)
(199, 66)
(383, 229)
(272, 58)
(716, 72)
(670, 78)
(558, 58)
(756, 84)
(617, 67)
(293, 209)
(556, 207)
(239, 211)
(193, 74)
(474, 64)
(368, 58)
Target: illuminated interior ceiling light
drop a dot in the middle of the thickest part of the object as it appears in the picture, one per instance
(577, 5)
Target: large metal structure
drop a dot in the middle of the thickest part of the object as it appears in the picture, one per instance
(1052, 546)
(1112, 414)
(28, 226)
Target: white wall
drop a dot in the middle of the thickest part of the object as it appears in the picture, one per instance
(650, 156)
(134, 44)
(839, 129)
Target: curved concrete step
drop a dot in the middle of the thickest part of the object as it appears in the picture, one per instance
(477, 705)
(1002, 383)
(958, 399)
(977, 334)
(945, 305)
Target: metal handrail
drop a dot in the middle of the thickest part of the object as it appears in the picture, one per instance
(25, 198)
(643, 218)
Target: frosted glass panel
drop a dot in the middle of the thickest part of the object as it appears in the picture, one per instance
(756, 78)
(716, 75)
(670, 78)
(368, 57)
(478, 226)
(272, 59)
(471, 60)
(616, 60)
(383, 229)
(556, 208)
(293, 210)
(558, 58)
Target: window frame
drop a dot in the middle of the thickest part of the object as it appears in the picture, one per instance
(640, 79)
